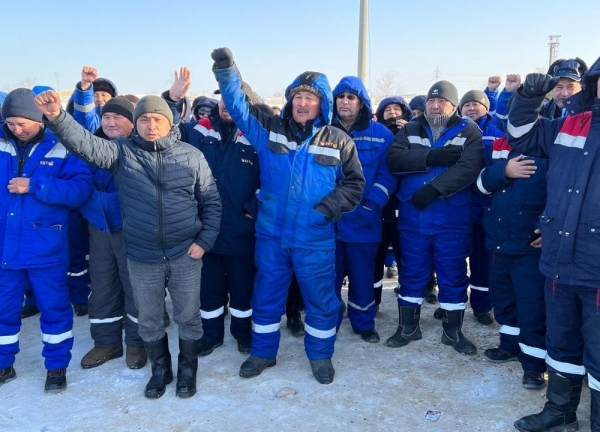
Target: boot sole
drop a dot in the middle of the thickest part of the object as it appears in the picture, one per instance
(116, 355)
(55, 391)
(534, 386)
(449, 342)
(252, 374)
(185, 394)
(573, 427)
(500, 361)
(205, 353)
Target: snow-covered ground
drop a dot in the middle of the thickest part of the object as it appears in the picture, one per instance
(376, 388)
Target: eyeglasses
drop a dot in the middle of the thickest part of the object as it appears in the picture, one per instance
(348, 96)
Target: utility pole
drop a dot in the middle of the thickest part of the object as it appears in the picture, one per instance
(57, 75)
(553, 48)
(363, 31)
(437, 74)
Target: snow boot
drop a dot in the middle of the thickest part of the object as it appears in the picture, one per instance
(162, 372)
(296, 326)
(7, 375)
(322, 370)
(370, 336)
(187, 367)
(135, 357)
(497, 355)
(408, 327)
(206, 347)
(80, 309)
(244, 346)
(452, 332)
(29, 311)
(559, 413)
(533, 380)
(56, 381)
(254, 366)
(484, 318)
(98, 356)
(595, 411)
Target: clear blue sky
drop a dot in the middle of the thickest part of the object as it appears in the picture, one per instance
(138, 44)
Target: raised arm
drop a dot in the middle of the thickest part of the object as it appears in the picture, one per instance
(97, 151)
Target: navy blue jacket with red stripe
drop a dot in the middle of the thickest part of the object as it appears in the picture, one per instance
(570, 223)
(515, 205)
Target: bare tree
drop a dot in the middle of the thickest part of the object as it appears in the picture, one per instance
(387, 85)
(25, 83)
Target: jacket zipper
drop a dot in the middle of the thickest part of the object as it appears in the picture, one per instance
(160, 210)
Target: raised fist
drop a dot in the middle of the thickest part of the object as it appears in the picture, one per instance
(48, 103)
(181, 84)
(537, 85)
(88, 76)
(222, 57)
(494, 82)
(513, 81)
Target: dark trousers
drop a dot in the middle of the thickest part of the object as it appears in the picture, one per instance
(573, 331)
(517, 294)
(222, 275)
(111, 305)
(480, 270)
(389, 235)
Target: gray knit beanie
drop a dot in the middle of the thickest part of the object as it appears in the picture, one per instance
(20, 103)
(152, 104)
(444, 90)
(475, 96)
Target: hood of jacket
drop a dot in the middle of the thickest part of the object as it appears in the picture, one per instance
(407, 113)
(354, 85)
(319, 82)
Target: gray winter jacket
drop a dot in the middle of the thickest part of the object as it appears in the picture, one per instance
(168, 195)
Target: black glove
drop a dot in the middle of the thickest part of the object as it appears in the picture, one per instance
(423, 197)
(444, 156)
(222, 57)
(537, 85)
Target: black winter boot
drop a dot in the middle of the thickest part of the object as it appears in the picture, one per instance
(559, 413)
(254, 365)
(162, 372)
(56, 380)
(7, 375)
(408, 328)
(595, 411)
(452, 334)
(187, 366)
(322, 370)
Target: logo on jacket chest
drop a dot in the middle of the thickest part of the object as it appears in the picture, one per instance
(248, 161)
(328, 144)
(47, 162)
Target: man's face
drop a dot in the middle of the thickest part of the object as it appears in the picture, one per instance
(392, 110)
(348, 107)
(417, 112)
(474, 110)
(152, 126)
(101, 97)
(566, 87)
(223, 113)
(276, 111)
(24, 129)
(305, 107)
(115, 125)
(438, 106)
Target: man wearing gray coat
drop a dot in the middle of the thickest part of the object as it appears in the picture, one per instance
(171, 215)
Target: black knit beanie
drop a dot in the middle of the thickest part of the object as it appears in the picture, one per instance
(20, 103)
(102, 84)
(119, 105)
(444, 90)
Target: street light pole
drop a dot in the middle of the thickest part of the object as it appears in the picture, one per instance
(363, 31)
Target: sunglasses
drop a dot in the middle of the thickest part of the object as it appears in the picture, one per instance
(348, 96)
